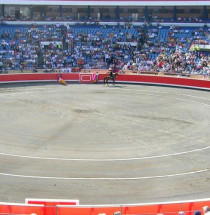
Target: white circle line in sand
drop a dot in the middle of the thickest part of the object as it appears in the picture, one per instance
(35, 90)
(148, 94)
(105, 160)
(170, 95)
(119, 179)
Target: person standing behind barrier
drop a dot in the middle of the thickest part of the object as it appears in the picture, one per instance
(206, 210)
(197, 213)
(181, 213)
(95, 77)
(111, 73)
(117, 213)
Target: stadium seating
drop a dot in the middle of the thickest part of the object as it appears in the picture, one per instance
(88, 46)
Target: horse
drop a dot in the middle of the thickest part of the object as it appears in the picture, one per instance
(107, 78)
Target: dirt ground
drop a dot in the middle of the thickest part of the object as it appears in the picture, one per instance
(104, 145)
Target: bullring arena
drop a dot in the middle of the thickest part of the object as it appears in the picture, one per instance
(104, 144)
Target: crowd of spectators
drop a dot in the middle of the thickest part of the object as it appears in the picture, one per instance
(190, 19)
(145, 48)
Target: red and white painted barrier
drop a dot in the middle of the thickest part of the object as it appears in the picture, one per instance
(50, 204)
(52, 77)
(16, 208)
(162, 80)
(166, 208)
(88, 78)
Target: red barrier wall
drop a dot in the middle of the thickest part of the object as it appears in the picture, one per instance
(166, 209)
(21, 209)
(37, 77)
(164, 80)
(147, 79)
(151, 209)
(87, 210)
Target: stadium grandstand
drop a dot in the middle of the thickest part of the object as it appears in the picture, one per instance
(141, 36)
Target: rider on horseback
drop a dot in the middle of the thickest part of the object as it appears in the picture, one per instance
(111, 76)
(111, 73)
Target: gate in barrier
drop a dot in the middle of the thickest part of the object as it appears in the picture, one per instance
(88, 78)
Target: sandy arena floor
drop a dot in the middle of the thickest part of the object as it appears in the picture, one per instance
(102, 145)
